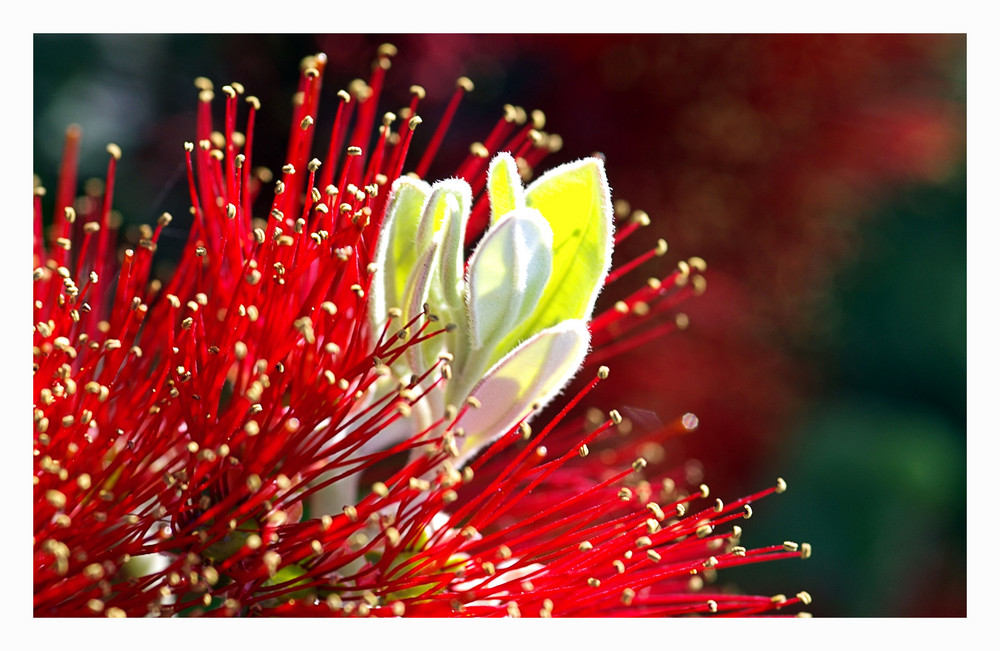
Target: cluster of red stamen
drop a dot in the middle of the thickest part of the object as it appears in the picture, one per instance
(180, 424)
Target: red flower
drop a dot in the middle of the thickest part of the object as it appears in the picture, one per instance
(183, 424)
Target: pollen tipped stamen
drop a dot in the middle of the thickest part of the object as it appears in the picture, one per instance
(462, 86)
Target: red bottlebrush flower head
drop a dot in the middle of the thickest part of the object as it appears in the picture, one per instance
(327, 409)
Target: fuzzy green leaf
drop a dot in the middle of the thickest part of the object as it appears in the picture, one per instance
(575, 199)
(503, 183)
(397, 252)
(507, 275)
(528, 377)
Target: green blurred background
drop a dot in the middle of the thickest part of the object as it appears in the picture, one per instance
(821, 176)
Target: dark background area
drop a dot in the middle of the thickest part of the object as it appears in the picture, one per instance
(822, 178)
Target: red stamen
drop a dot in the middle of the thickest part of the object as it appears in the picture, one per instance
(462, 86)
